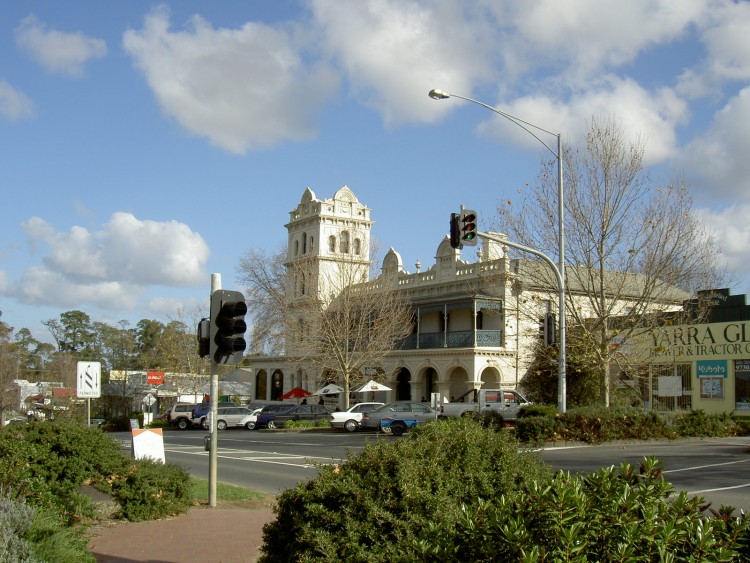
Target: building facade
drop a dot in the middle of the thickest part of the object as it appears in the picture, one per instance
(703, 365)
(475, 323)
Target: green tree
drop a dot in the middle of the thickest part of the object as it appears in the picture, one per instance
(74, 333)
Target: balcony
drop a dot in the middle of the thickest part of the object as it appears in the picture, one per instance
(453, 339)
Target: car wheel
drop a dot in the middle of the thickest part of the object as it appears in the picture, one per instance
(351, 425)
(398, 428)
(272, 425)
(221, 425)
(182, 424)
(204, 424)
(250, 425)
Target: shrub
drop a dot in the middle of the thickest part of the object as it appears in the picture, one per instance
(537, 429)
(147, 489)
(615, 514)
(537, 410)
(44, 463)
(699, 424)
(29, 534)
(375, 506)
(15, 520)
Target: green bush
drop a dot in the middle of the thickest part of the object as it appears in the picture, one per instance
(537, 410)
(147, 489)
(322, 423)
(374, 507)
(29, 534)
(615, 514)
(44, 463)
(15, 520)
(699, 424)
(537, 429)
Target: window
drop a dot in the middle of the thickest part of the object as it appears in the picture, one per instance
(357, 247)
(332, 244)
(304, 243)
(742, 385)
(296, 247)
(344, 243)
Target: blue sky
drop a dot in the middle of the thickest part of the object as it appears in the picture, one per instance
(145, 145)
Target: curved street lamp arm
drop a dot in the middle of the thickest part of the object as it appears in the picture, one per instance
(439, 95)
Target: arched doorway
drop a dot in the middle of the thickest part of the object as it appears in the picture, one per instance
(277, 385)
(403, 385)
(430, 382)
(261, 385)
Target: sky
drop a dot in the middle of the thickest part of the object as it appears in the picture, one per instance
(145, 145)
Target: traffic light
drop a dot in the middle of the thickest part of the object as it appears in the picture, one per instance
(204, 337)
(467, 223)
(455, 232)
(227, 331)
(548, 329)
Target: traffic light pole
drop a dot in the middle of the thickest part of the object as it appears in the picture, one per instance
(214, 435)
(561, 381)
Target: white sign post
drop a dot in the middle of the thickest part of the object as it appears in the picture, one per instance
(89, 378)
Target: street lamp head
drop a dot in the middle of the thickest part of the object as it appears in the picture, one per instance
(438, 94)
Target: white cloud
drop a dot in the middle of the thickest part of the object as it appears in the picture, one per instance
(643, 115)
(57, 51)
(726, 33)
(114, 266)
(243, 88)
(14, 104)
(394, 51)
(590, 35)
(717, 159)
(732, 232)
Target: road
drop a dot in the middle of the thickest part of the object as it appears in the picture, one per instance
(268, 461)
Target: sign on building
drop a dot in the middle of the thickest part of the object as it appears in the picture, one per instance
(89, 380)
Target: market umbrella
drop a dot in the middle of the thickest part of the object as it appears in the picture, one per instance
(372, 385)
(296, 393)
(329, 389)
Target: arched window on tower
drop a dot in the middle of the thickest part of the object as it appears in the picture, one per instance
(296, 247)
(312, 244)
(332, 244)
(357, 247)
(344, 242)
(302, 284)
(304, 243)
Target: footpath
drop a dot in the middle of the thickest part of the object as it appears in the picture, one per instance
(210, 535)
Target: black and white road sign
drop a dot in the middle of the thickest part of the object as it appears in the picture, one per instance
(89, 380)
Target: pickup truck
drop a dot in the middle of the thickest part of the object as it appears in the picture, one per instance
(505, 402)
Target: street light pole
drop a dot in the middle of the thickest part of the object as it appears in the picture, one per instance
(560, 273)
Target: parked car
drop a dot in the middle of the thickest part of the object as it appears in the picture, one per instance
(250, 420)
(181, 415)
(350, 418)
(268, 413)
(398, 416)
(296, 412)
(200, 411)
(229, 417)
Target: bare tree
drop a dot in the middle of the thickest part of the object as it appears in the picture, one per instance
(341, 326)
(632, 247)
(265, 277)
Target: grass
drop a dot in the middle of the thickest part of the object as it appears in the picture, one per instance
(227, 494)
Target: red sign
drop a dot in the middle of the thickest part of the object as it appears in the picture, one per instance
(155, 377)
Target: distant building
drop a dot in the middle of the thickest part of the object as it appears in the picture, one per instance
(475, 323)
(701, 365)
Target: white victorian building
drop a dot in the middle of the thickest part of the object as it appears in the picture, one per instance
(475, 323)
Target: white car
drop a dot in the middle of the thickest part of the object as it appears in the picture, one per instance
(249, 421)
(349, 419)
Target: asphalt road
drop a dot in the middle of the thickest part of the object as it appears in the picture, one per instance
(270, 461)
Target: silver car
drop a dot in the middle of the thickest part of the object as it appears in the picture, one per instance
(350, 418)
(229, 417)
(398, 416)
